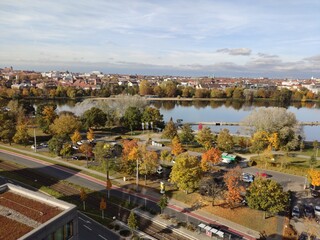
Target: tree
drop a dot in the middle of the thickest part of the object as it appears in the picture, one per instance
(103, 206)
(186, 172)
(170, 130)
(225, 140)
(232, 180)
(145, 88)
(66, 150)
(86, 149)
(65, 124)
(90, 135)
(45, 115)
(163, 202)
(55, 144)
(128, 164)
(275, 120)
(7, 126)
(132, 118)
(93, 117)
(21, 136)
(315, 177)
(210, 158)
(166, 156)
(132, 221)
(259, 141)
(211, 187)
(205, 137)
(312, 161)
(149, 162)
(76, 137)
(152, 116)
(186, 135)
(267, 195)
(176, 146)
(83, 197)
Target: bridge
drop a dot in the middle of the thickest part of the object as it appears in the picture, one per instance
(314, 123)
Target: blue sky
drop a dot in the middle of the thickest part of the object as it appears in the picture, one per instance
(249, 38)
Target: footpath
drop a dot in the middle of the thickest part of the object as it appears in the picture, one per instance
(200, 215)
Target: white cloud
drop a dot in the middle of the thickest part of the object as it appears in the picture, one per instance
(236, 51)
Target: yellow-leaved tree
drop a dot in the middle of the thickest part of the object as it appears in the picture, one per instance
(176, 146)
(314, 177)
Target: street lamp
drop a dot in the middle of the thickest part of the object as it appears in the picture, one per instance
(35, 138)
(108, 181)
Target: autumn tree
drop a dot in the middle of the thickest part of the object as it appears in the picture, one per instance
(186, 136)
(267, 195)
(232, 180)
(225, 140)
(259, 141)
(166, 156)
(210, 187)
(186, 172)
(21, 136)
(170, 130)
(130, 148)
(76, 137)
(7, 126)
(275, 120)
(148, 163)
(314, 176)
(65, 124)
(90, 135)
(45, 115)
(176, 146)
(66, 150)
(145, 88)
(210, 158)
(83, 197)
(205, 137)
(86, 149)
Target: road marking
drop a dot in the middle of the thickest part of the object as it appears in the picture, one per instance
(86, 221)
(103, 237)
(87, 227)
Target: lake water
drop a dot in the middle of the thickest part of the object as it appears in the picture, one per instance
(226, 111)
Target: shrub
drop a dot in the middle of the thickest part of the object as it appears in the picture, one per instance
(125, 233)
(165, 216)
(116, 227)
(191, 227)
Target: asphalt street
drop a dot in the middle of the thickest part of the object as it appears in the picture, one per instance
(90, 229)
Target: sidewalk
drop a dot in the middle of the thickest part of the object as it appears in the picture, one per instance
(202, 216)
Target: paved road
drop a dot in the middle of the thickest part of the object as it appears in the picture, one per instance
(90, 229)
(75, 177)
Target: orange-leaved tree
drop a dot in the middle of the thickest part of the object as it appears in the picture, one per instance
(232, 179)
(76, 136)
(209, 158)
(176, 146)
(129, 155)
(90, 135)
(314, 177)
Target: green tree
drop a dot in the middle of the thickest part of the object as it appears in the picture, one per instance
(312, 161)
(7, 126)
(65, 124)
(66, 150)
(132, 118)
(186, 172)
(152, 115)
(132, 221)
(267, 195)
(163, 202)
(225, 140)
(93, 117)
(149, 162)
(170, 130)
(205, 137)
(186, 135)
(55, 144)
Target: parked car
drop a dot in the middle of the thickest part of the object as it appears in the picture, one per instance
(296, 211)
(309, 211)
(317, 211)
(303, 236)
(159, 170)
(75, 158)
(247, 177)
(44, 145)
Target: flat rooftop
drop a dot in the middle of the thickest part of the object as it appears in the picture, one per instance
(22, 210)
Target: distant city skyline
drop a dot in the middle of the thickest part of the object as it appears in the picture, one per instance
(242, 38)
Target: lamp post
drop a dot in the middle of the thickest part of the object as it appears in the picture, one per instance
(137, 175)
(108, 181)
(35, 139)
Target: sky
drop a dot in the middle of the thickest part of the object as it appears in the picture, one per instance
(232, 38)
